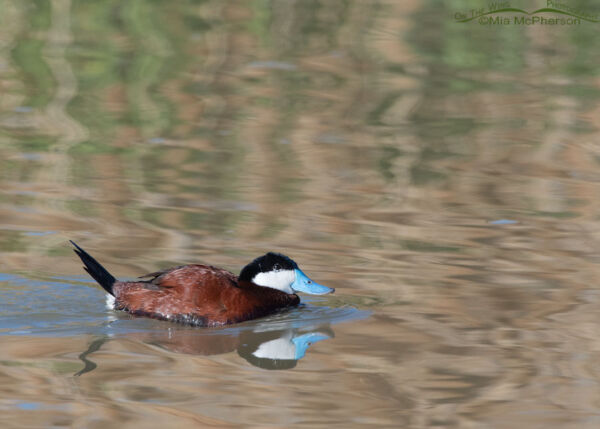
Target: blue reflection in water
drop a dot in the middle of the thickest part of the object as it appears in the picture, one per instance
(503, 222)
(28, 406)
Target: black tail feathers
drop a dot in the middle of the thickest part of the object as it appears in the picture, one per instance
(94, 269)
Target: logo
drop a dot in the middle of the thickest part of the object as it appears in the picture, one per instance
(555, 13)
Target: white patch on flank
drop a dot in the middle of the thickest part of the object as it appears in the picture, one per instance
(281, 280)
(280, 348)
(111, 316)
(110, 301)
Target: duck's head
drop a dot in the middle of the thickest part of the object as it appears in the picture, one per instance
(279, 272)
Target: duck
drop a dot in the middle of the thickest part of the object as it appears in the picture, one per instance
(207, 296)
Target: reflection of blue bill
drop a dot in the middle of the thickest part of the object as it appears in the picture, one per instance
(303, 342)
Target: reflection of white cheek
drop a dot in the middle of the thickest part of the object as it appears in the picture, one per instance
(281, 348)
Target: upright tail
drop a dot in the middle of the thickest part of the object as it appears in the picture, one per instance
(94, 269)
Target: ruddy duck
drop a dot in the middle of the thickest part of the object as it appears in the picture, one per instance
(203, 295)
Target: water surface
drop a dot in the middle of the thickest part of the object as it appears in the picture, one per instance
(443, 177)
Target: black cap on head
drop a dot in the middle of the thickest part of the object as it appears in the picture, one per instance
(267, 263)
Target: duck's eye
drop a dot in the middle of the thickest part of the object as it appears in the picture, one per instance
(276, 267)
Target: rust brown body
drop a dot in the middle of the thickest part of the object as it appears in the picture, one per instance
(199, 295)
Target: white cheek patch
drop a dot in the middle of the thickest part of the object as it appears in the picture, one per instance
(281, 280)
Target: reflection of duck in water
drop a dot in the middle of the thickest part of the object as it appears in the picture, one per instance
(272, 349)
(279, 349)
(203, 295)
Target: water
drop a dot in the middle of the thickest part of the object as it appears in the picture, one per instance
(443, 177)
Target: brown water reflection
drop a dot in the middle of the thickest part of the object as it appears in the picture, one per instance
(377, 143)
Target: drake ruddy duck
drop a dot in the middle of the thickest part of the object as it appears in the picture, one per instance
(203, 295)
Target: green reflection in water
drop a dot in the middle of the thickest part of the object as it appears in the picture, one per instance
(207, 116)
